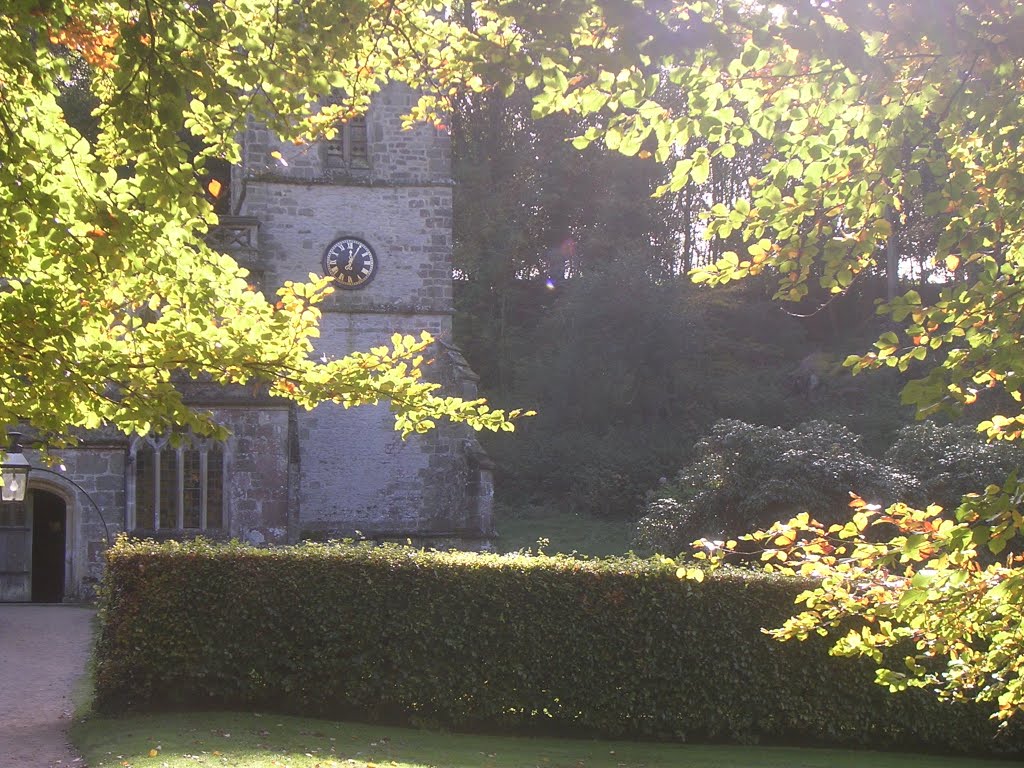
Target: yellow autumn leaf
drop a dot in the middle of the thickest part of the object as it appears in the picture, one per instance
(691, 574)
(214, 187)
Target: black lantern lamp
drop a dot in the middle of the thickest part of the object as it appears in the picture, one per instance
(14, 471)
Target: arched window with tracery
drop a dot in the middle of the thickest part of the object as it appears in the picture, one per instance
(176, 487)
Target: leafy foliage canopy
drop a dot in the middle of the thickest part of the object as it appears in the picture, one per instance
(867, 110)
(108, 289)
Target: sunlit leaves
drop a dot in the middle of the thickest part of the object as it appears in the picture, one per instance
(862, 114)
(856, 127)
(110, 294)
(929, 584)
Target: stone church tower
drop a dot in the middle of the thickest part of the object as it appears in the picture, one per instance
(372, 208)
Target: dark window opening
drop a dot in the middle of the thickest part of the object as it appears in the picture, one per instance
(179, 488)
(350, 148)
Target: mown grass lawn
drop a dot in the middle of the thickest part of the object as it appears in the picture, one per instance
(565, 532)
(273, 741)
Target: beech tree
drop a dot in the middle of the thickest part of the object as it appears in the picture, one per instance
(874, 117)
(866, 109)
(109, 293)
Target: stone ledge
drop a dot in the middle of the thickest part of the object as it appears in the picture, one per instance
(327, 181)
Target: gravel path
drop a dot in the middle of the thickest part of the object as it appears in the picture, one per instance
(43, 650)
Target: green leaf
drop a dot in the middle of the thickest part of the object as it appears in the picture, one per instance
(701, 168)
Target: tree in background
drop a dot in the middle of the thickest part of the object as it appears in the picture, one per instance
(626, 374)
(573, 297)
(530, 210)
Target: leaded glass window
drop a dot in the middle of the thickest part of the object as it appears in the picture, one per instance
(178, 487)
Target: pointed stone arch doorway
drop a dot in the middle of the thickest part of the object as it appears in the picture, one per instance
(33, 548)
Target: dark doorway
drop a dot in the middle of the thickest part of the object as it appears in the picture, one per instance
(49, 519)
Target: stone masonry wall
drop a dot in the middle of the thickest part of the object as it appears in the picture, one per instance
(409, 229)
(357, 473)
(421, 154)
(257, 472)
(354, 472)
(418, 156)
(99, 470)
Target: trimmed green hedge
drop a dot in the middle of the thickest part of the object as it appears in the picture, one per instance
(616, 647)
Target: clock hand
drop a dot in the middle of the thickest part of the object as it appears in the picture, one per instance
(351, 262)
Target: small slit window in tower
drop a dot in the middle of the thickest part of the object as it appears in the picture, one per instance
(350, 148)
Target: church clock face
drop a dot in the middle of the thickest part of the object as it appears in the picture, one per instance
(351, 262)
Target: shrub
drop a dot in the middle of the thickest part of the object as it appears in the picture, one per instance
(951, 461)
(616, 647)
(745, 477)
